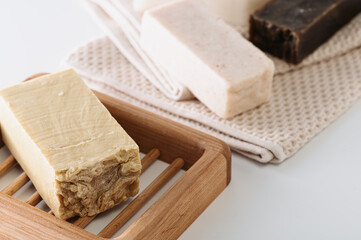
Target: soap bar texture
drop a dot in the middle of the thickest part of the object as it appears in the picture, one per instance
(78, 157)
(142, 5)
(292, 29)
(221, 68)
(234, 12)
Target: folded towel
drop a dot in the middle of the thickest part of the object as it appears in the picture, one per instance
(122, 24)
(305, 98)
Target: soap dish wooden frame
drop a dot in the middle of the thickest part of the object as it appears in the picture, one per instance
(207, 162)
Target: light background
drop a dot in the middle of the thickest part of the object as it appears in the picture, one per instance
(316, 194)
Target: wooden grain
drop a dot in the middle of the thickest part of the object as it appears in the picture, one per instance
(147, 160)
(173, 139)
(34, 199)
(150, 130)
(178, 207)
(15, 185)
(6, 164)
(208, 165)
(141, 199)
(19, 221)
(82, 222)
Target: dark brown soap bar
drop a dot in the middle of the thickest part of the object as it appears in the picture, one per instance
(292, 29)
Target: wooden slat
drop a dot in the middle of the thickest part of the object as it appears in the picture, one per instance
(6, 164)
(207, 158)
(15, 185)
(182, 203)
(83, 221)
(18, 220)
(141, 199)
(147, 160)
(173, 139)
(34, 199)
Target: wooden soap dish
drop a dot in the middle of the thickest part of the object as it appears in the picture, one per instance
(206, 160)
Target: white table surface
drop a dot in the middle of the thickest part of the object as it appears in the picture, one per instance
(316, 194)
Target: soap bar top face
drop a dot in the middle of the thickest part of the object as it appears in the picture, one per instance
(78, 157)
(221, 68)
(295, 14)
(292, 29)
(208, 38)
(142, 5)
(66, 121)
(234, 12)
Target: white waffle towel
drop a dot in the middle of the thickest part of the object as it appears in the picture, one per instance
(305, 99)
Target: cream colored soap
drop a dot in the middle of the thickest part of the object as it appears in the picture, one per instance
(79, 158)
(142, 5)
(220, 67)
(234, 12)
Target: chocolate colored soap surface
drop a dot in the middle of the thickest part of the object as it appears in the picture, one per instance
(293, 29)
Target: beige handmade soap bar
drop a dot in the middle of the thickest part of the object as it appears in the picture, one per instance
(221, 68)
(79, 158)
(235, 12)
(142, 5)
